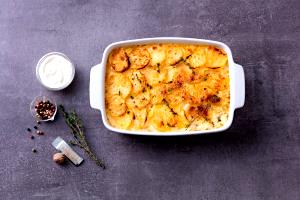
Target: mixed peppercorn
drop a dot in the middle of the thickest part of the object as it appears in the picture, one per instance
(44, 109)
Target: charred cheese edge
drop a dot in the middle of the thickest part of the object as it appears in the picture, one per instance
(167, 87)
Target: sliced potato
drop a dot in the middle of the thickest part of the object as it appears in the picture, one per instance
(118, 84)
(198, 58)
(172, 74)
(215, 58)
(177, 53)
(161, 117)
(139, 58)
(123, 121)
(157, 54)
(174, 55)
(119, 60)
(181, 71)
(153, 76)
(175, 96)
(189, 49)
(138, 101)
(116, 105)
(182, 122)
(138, 81)
(158, 94)
(197, 93)
(139, 118)
(194, 112)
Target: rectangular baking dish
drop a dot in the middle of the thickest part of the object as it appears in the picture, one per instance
(97, 83)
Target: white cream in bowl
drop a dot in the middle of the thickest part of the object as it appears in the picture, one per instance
(55, 71)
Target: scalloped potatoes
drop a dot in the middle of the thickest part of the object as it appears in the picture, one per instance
(167, 87)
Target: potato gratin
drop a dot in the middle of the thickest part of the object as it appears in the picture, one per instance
(167, 87)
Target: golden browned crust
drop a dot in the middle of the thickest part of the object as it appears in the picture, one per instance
(139, 58)
(119, 60)
(167, 87)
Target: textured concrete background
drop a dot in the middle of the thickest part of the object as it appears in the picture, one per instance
(257, 158)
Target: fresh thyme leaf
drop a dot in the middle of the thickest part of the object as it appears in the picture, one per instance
(77, 130)
(72, 142)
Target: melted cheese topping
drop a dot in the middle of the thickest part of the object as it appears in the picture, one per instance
(167, 87)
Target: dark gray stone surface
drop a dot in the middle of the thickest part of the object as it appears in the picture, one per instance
(257, 158)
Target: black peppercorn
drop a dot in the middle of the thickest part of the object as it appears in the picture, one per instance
(35, 127)
(32, 137)
(34, 150)
(28, 129)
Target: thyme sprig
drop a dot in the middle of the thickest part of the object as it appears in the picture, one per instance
(77, 130)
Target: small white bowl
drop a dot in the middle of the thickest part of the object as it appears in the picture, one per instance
(41, 61)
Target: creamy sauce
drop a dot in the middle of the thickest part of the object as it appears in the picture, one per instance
(55, 71)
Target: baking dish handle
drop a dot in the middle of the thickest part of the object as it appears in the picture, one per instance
(96, 87)
(239, 86)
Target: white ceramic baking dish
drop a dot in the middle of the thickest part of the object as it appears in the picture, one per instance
(97, 83)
